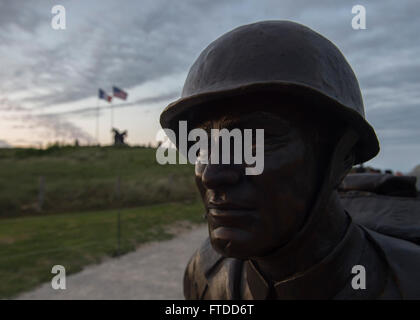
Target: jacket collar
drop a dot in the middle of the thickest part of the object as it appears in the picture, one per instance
(322, 281)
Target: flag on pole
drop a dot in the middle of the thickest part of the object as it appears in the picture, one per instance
(119, 93)
(103, 95)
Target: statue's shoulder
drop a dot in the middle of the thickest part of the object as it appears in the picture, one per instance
(386, 204)
(209, 275)
(403, 257)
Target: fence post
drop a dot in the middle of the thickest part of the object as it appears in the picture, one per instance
(118, 217)
(41, 193)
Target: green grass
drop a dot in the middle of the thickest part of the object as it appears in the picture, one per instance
(77, 224)
(84, 178)
(30, 246)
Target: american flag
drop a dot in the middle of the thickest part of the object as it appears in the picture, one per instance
(103, 95)
(119, 93)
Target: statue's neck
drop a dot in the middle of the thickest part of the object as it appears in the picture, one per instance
(308, 249)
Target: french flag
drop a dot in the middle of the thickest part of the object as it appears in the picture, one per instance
(119, 93)
(103, 95)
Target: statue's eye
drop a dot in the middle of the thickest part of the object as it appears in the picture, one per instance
(273, 142)
(273, 138)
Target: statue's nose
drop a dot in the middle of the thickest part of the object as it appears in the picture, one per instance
(219, 175)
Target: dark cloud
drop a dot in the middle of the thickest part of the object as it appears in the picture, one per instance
(152, 41)
(144, 101)
(48, 126)
(7, 105)
(56, 128)
(25, 16)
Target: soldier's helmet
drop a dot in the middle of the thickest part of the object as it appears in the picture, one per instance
(279, 57)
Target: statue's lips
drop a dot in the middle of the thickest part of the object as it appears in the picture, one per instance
(231, 225)
(242, 218)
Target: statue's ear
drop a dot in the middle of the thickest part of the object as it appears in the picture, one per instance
(347, 165)
(343, 157)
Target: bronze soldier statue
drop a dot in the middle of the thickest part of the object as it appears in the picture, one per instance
(285, 234)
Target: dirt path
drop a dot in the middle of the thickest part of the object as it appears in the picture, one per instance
(154, 271)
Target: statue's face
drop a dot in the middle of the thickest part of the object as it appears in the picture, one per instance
(251, 215)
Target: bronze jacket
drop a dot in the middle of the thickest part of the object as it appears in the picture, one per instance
(386, 229)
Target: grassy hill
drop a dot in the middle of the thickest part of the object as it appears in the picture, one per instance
(85, 178)
(79, 221)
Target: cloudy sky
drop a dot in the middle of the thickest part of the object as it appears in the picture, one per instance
(49, 78)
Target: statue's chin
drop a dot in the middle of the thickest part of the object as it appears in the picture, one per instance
(233, 243)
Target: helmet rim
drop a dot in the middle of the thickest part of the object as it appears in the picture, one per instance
(366, 149)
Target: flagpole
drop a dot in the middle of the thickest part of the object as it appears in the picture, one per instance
(97, 121)
(112, 113)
